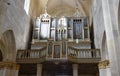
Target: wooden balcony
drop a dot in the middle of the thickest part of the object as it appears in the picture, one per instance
(31, 56)
(70, 54)
(84, 55)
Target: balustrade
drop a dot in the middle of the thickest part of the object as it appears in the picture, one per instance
(27, 54)
(56, 52)
(83, 53)
(73, 52)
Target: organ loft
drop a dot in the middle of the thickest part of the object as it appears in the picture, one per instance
(60, 46)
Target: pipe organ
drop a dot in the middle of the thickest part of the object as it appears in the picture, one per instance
(60, 34)
(64, 28)
(63, 41)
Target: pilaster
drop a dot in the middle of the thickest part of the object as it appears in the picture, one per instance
(75, 69)
(39, 69)
(9, 69)
(104, 68)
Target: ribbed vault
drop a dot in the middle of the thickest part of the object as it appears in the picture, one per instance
(62, 7)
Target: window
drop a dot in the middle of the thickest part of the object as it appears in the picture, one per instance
(26, 6)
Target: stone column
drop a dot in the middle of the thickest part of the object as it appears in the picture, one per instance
(112, 35)
(39, 69)
(9, 69)
(75, 69)
(104, 69)
(15, 70)
(108, 70)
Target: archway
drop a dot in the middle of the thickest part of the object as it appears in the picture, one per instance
(9, 45)
(104, 51)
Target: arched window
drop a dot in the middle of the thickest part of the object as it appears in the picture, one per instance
(27, 5)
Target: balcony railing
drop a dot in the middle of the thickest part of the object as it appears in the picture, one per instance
(57, 53)
(83, 53)
(31, 56)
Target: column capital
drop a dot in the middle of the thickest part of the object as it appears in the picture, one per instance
(9, 65)
(104, 64)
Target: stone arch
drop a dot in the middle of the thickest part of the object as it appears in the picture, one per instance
(9, 49)
(104, 51)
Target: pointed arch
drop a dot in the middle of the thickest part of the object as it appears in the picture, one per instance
(9, 49)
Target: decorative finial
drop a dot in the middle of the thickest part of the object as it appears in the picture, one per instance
(45, 9)
(45, 14)
(77, 13)
(76, 4)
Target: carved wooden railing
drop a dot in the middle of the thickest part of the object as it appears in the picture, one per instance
(81, 55)
(70, 53)
(31, 56)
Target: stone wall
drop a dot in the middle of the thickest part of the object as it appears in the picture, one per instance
(13, 17)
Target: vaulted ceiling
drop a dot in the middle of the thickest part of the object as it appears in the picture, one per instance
(64, 7)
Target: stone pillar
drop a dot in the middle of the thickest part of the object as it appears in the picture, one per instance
(15, 70)
(39, 69)
(75, 69)
(9, 69)
(108, 71)
(112, 35)
(104, 69)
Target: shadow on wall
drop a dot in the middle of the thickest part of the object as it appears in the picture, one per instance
(92, 36)
(1, 56)
(119, 16)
